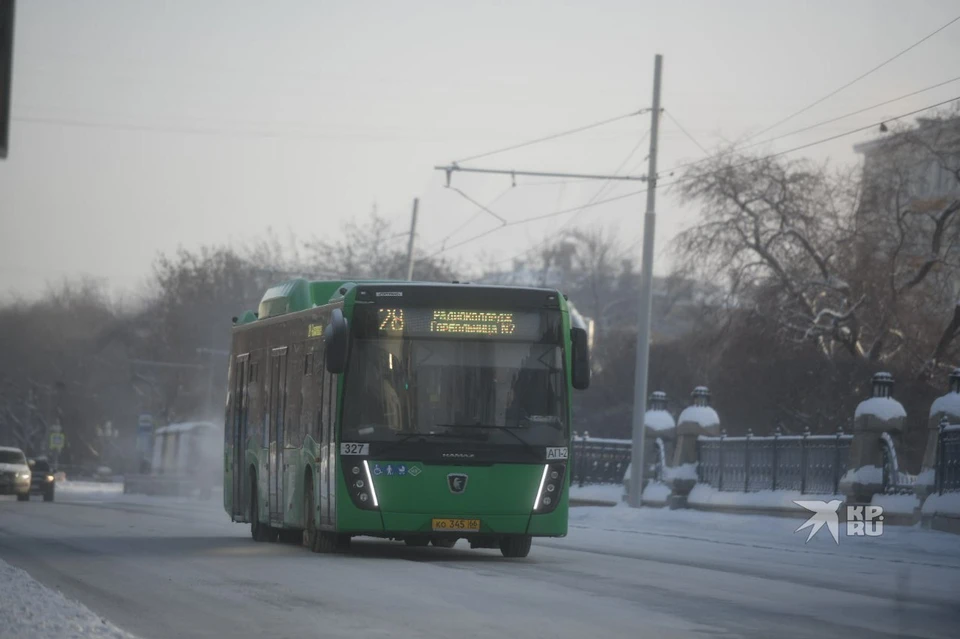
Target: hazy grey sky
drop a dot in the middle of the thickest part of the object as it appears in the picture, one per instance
(141, 126)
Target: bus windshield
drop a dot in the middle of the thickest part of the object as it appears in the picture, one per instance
(471, 389)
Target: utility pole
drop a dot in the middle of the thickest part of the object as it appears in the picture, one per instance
(646, 300)
(413, 231)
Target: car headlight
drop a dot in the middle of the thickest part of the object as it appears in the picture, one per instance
(23, 475)
(49, 477)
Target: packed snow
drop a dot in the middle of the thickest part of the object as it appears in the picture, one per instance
(612, 493)
(29, 610)
(659, 420)
(942, 504)
(704, 416)
(655, 493)
(683, 471)
(706, 495)
(885, 408)
(927, 477)
(897, 504)
(89, 488)
(864, 475)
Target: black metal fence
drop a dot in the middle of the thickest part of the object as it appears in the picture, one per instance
(806, 463)
(600, 461)
(948, 458)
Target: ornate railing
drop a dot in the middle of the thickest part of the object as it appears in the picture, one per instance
(948, 458)
(600, 461)
(806, 463)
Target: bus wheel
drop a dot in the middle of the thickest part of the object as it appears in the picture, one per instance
(440, 542)
(324, 542)
(273, 534)
(258, 531)
(515, 546)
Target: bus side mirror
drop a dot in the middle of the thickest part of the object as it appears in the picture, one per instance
(581, 358)
(337, 338)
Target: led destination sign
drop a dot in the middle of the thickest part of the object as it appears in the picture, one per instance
(442, 322)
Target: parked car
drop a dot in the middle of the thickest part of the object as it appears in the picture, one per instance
(43, 481)
(14, 473)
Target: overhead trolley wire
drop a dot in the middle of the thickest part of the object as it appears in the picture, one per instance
(553, 137)
(854, 81)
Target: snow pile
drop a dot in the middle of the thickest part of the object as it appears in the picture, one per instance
(704, 416)
(864, 475)
(655, 492)
(683, 471)
(706, 495)
(927, 477)
(659, 420)
(896, 504)
(89, 488)
(945, 504)
(949, 404)
(29, 610)
(598, 492)
(885, 408)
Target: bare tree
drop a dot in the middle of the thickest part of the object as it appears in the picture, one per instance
(859, 264)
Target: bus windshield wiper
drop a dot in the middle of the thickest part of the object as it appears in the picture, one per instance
(505, 429)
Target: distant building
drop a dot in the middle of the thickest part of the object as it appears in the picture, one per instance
(908, 178)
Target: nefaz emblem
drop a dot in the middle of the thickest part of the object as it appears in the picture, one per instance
(556, 453)
(457, 482)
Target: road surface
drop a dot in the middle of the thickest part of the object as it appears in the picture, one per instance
(162, 568)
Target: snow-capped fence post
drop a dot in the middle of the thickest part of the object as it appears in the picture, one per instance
(944, 407)
(878, 415)
(698, 419)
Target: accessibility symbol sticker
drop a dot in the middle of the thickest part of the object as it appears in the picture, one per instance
(401, 470)
(377, 470)
(414, 471)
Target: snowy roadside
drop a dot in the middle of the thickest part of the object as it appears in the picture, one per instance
(29, 610)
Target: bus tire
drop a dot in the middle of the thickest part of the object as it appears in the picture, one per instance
(324, 542)
(258, 531)
(515, 547)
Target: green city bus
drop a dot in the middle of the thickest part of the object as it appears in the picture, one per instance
(420, 412)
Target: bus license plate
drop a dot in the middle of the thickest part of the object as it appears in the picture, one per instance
(472, 525)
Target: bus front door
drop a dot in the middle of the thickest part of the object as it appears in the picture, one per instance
(278, 395)
(239, 438)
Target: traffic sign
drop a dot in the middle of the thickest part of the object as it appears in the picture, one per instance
(56, 441)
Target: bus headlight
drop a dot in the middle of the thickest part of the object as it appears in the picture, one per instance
(549, 489)
(360, 485)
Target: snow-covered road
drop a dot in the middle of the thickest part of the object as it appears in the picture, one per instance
(164, 568)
